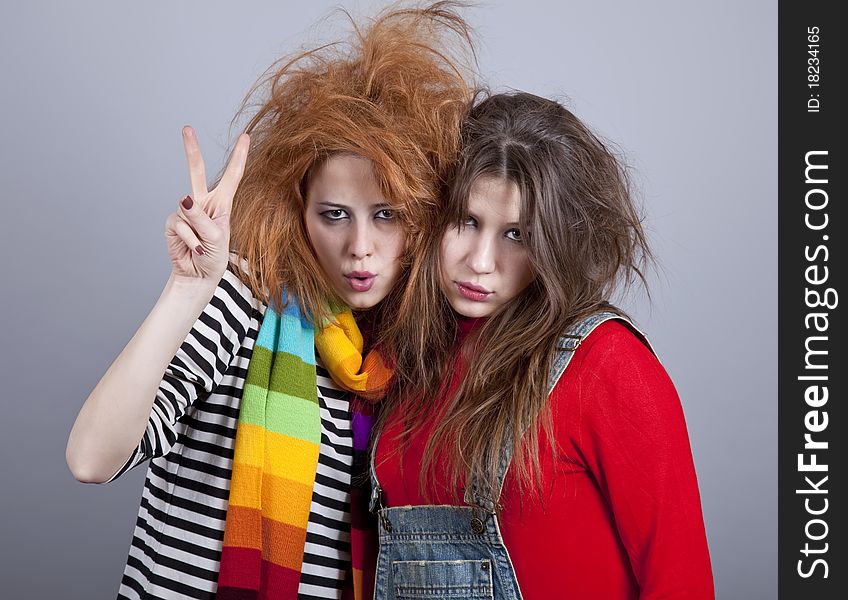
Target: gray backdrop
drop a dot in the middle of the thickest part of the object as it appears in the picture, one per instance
(95, 93)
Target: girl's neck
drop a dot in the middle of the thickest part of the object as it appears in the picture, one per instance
(365, 320)
(466, 325)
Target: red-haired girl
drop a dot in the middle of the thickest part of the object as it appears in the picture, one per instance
(237, 385)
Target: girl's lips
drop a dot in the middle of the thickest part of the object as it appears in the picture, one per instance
(472, 292)
(360, 281)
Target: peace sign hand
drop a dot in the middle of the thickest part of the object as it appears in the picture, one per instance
(198, 233)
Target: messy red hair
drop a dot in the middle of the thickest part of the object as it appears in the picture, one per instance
(395, 93)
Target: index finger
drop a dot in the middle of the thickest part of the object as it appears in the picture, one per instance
(196, 168)
(235, 169)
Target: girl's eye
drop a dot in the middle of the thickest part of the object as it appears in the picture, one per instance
(334, 214)
(514, 235)
(386, 213)
(469, 222)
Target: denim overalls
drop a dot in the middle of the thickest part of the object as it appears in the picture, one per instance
(456, 552)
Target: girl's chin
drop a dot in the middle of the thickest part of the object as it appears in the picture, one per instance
(469, 308)
(361, 300)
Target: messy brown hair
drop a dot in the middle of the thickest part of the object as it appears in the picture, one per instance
(394, 93)
(584, 239)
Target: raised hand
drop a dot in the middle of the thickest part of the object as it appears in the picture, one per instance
(198, 233)
(115, 415)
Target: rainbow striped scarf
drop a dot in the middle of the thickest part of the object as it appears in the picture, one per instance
(276, 451)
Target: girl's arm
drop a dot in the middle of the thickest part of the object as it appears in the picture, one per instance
(635, 443)
(116, 413)
(211, 349)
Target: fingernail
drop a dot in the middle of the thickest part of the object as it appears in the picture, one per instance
(188, 202)
(199, 250)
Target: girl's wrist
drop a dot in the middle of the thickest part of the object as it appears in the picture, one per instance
(196, 293)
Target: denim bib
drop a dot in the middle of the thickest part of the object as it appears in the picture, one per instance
(457, 552)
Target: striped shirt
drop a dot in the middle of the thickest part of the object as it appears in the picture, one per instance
(176, 546)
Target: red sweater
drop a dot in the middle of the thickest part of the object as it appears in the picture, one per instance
(622, 514)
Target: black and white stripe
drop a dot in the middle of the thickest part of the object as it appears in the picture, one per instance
(176, 546)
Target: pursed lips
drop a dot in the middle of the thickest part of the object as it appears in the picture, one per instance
(360, 281)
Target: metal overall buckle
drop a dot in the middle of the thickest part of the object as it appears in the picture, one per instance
(381, 511)
(478, 524)
(570, 337)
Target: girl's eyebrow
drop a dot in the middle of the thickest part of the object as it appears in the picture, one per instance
(514, 224)
(376, 205)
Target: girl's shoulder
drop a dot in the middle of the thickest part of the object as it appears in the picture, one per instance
(234, 299)
(612, 350)
(614, 377)
(236, 277)
(614, 336)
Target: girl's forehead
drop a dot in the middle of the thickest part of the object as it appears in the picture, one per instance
(344, 178)
(495, 198)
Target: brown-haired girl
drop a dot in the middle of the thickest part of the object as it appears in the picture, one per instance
(237, 384)
(535, 447)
